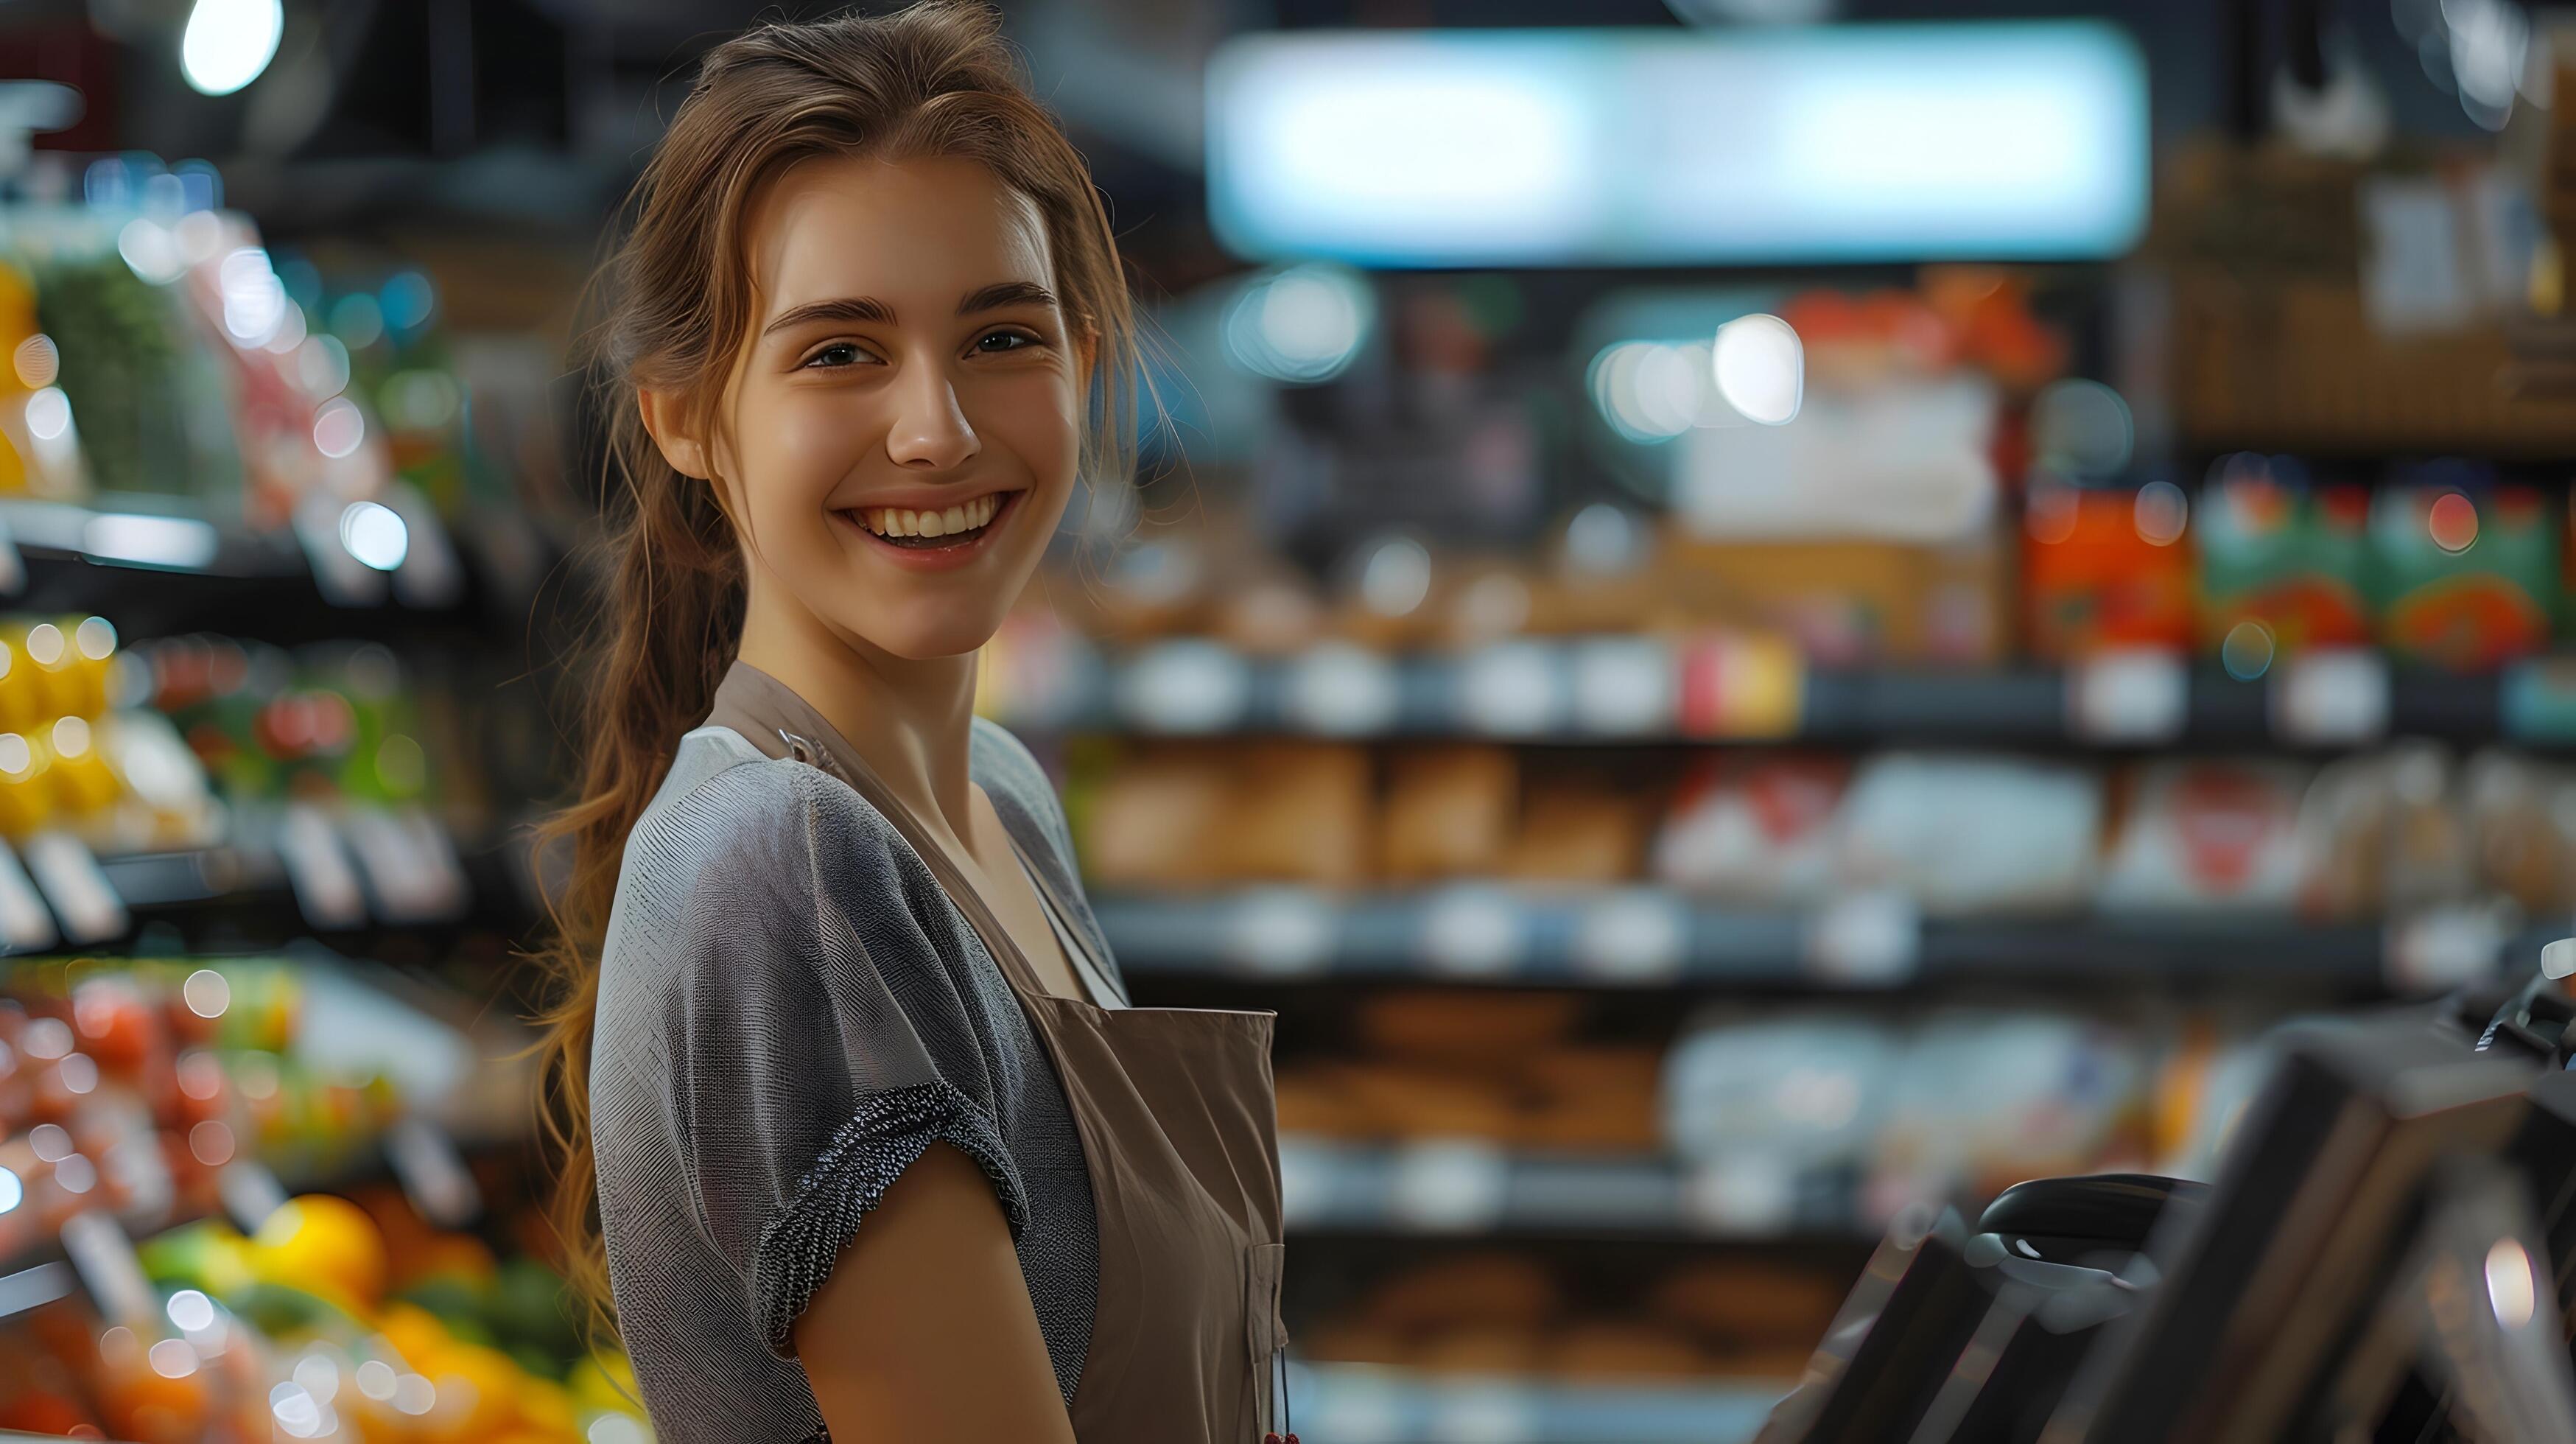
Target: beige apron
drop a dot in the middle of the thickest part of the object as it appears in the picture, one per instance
(1179, 1134)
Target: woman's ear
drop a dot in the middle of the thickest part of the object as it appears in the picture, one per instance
(675, 432)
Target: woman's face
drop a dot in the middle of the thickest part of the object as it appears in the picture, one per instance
(902, 430)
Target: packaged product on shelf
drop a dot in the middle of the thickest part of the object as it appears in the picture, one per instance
(1155, 820)
(2104, 567)
(1504, 1289)
(2467, 573)
(1183, 816)
(1746, 1305)
(1600, 1098)
(133, 381)
(40, 452)
(1469, 1030)
(2522, 828)
(1578, 830)
(1499, 1312)
(2209, 833)
(1610, 1349)
(1755, 829)
(2385, 833)
(1410, 1101)
(1847, 603)
(1965, 834)
(1301, 812)
(2287, 557)
(1981, 1100)
(1772, 1096)
(1448, 812)
(306, 440)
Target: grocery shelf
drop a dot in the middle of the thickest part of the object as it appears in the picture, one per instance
(1612, 689)
(1469, 1187)
(159, 564)
(1648, 937)
(1370, 1404)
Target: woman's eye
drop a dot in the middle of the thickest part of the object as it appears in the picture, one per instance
(1019, 341)
(839, 353)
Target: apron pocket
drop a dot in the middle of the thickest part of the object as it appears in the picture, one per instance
(1265, 1336)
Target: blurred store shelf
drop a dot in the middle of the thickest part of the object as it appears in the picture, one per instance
(1470, 1187)
(1645, 937)
(1638, 689)
(337, 868)
(1368, 1404)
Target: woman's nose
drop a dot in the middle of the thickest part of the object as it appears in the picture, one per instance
(930, 429)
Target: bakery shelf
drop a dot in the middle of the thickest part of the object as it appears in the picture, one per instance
(1647, 937)
(1369, 1404)
(1466, 1187)
(1632, 689)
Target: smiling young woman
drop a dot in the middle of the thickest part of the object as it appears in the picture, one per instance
(864, 1140)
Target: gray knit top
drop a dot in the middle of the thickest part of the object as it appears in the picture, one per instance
(790, 1011)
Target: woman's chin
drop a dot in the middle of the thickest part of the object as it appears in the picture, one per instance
(927, 643)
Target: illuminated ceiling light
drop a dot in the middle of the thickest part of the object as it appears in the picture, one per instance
(1761, 369)
(375, 534)
(1303, 325)
(229, 42)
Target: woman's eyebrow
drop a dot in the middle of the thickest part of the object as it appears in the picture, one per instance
(870, 310)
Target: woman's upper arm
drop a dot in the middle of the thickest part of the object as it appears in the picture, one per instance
(924, 1330)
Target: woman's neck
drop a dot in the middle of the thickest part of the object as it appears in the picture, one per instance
(910, 718)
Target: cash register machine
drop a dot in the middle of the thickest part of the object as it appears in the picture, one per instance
(2387, 1256)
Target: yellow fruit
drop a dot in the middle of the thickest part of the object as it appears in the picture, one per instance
(321, 1243)
(477, 1394)
(605, 1381)
(415, 1333)
(453, 1255)
(546, 1407)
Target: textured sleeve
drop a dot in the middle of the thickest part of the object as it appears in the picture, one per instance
(817, 1037)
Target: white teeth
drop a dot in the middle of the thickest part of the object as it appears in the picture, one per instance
(964, 517)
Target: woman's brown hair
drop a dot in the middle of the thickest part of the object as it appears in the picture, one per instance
(933, 80)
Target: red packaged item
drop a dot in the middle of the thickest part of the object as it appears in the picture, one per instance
(2209, 833)
(1755, 829)
(2104, 569)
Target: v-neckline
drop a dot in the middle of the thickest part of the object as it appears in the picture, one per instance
(834, 753)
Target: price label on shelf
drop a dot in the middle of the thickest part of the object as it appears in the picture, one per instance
(1280, 932)
(1865, 940)
(1485, 1413)
(1512, 689)
(25, 923)
(1448, 1186)
(1747, 1195)
(250, 1193)
(1632, 936)
(318, 868)
(104, 1257)
(2331, 699)
(13, 567)
(1624, 687)
(1185, 687)
(408, 862)
(2444, 948)
(2128, 696)
(432, 1173)
(68, 874)
(1473, 931)
(1342, 691)
(36, 1287)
